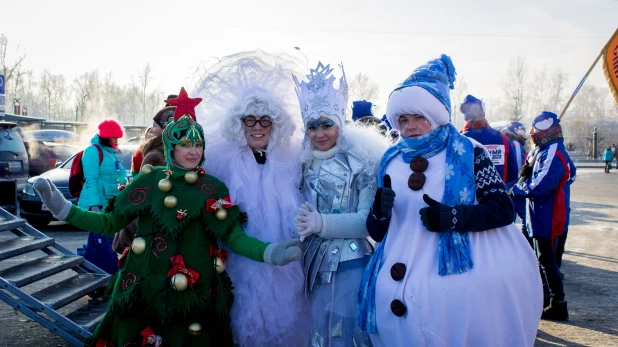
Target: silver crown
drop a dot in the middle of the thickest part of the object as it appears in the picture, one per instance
(318, 97)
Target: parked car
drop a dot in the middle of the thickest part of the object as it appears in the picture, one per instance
(13, 164)
(57, 136)
(30, 205)
(48, 148)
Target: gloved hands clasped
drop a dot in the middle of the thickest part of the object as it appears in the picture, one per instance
(52, 198)
(385, 198)
(308, 220)
(282, 253)
(436, 217)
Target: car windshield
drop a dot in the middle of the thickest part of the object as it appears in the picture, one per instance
(10, 141)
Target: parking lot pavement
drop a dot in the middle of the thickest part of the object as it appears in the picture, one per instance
(590, 267)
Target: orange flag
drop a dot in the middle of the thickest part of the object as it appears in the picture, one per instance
(610, 64)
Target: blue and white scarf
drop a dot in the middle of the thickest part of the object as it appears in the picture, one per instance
(453, 247)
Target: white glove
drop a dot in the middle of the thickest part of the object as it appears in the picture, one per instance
(52, 198)
(309, 221)
(282, 253)
(95, 208)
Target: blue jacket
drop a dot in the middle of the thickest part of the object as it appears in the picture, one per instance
(548, 191)
(495, 141)
(607, 155)
(101, 181)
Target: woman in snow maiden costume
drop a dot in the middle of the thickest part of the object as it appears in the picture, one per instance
(253, 151)
(339, 165)
(452, 269)
(171, 289)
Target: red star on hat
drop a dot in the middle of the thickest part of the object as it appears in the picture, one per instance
(184, 104)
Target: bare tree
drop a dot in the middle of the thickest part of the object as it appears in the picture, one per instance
(148, 99)
(514, 88)
(558, 84)
(12, 70)
(363, 88)
(457, 96)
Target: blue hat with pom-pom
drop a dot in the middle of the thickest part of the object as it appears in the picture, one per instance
(425, 92)
(360, 109)
(437, 77)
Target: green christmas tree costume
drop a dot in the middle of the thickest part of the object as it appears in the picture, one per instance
(143, 300)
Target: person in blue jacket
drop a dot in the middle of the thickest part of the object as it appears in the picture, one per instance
(516, 133)
(104, 176)
(498, 145)
(608, 156)
(545, 184)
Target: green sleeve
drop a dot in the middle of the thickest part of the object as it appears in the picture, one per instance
(246, 245)
(100, 223)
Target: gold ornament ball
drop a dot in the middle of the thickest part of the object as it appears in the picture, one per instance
(170, 201)
(165, 185)
(191, 177)
(139, 245)
(219, 265)
(195, 329)
(179, 282)
(146, 169)
(221, 214)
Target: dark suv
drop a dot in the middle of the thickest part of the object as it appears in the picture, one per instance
(13, 164)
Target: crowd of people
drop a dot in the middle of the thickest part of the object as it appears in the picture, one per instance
(260, 214)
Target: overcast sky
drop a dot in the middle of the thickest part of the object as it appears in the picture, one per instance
(386, 39)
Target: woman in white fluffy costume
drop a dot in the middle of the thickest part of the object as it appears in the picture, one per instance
(451, 269)
(339, 168)
(254, 152)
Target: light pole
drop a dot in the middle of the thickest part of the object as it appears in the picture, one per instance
(301, 52)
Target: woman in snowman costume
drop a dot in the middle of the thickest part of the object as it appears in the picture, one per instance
(451, 269)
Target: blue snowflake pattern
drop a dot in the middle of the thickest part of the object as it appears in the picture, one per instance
(449, 172)
(458, 147)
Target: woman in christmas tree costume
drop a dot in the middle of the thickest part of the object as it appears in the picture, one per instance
(171, 289)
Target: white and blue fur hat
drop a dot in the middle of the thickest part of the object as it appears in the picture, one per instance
(425, 92)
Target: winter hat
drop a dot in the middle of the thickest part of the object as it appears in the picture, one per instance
(515, 129)
(164, 115)
(545, 120)
(171, 96)
(110, 129)
(425, 92)
(472, 108)
(360, 109)
(549, 128)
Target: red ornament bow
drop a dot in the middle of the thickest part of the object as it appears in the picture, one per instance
(218, 253)
(150, 338)
(213, 205)
(178, 266)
